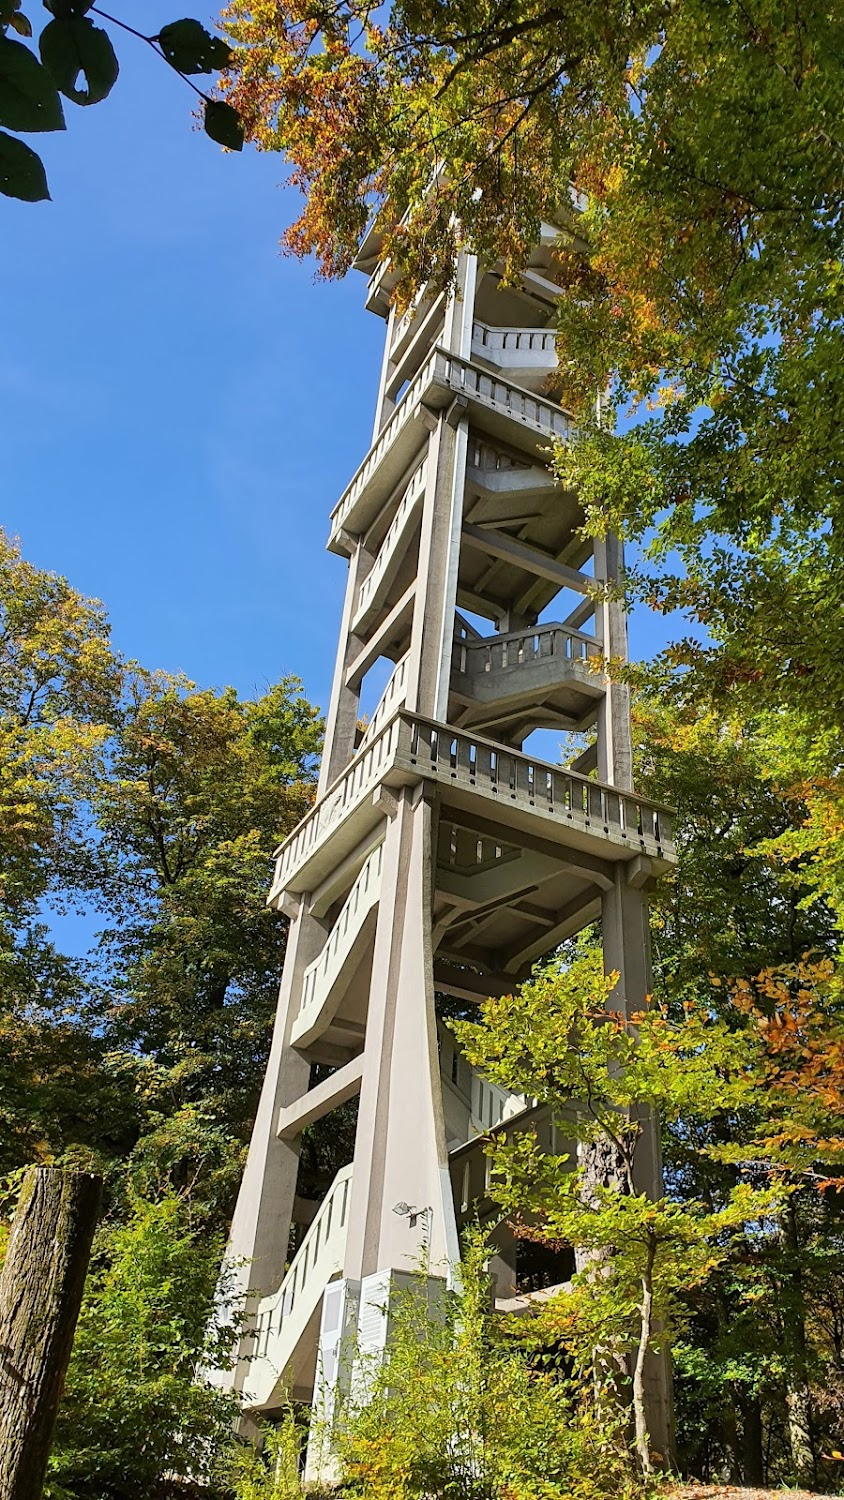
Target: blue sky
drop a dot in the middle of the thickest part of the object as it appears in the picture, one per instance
(181, 406)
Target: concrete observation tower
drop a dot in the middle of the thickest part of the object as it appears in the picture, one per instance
(441, 856)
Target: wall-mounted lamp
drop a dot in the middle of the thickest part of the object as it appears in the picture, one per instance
(407, 1211)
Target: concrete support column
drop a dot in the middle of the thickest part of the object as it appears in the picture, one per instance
(439, 545)
(400, 1149)
(626, 944)
(460, 311)
(439, 550)
(342, 717)
(615, 754)
(260, 1227)
(624, 922)
(626, 934)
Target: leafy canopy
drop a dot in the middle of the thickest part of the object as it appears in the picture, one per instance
(77, 61)
(701, 270)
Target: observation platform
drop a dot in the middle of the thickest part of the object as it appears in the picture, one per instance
(522, 794)
(496, 406)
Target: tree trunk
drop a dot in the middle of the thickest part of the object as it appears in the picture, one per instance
(729, 1436)
(640, 1416)
(603, 1165)
(800, 1436)
(752, 1452)
(729, 1426)
(799, 1396)
(41, 1286)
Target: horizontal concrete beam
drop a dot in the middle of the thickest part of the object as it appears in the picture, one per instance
(571, 919)
(506, 549)
(580, 614)
(328, 1095)
(467, 984)
(578, 861)
(377, 644)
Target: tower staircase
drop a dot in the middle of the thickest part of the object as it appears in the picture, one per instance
(442, 856)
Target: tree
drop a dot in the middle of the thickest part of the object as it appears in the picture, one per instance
(738, 921)
(201, 788)
(767, 1076)
(59, 681)
(134, 1413)
(561, 1044)
(700, 257)
(734, 905)
(41, 1283)
(457, 1407)
(78, 61)
(157, 806)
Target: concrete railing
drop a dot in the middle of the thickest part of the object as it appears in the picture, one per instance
(465, 850)
(363, 774)
(328, 970)
(378, 578)
(406, 408)
(521, 340)
(463, 759)
(486, 1104)
(441, 377)
(414, 318)
(529, 349)
(490, 1105)
(392, 698)
(499, 653)
(409, 747)
(283, 1317)
(543, 417)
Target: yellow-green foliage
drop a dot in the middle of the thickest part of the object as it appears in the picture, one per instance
(457, 1409)
(273, 1472)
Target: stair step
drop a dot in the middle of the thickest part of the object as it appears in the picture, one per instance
(326, 979)
(283, 1319)
(373, 591)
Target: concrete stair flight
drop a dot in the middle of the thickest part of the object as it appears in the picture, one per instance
(287, 1322)
(375, 586)
(327, 978)
(392, 698)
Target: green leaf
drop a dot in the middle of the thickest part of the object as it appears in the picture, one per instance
(22, 172)
(66, 8)
(21, 24)
(192, 49)
(223, 124)
(72, 45)
(28, 99)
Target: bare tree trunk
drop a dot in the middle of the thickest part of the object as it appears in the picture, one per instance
(646, 1330)
(603, 1165)
(752, 1451)
(799, 1395)
(41, 1286)
(799, 1408)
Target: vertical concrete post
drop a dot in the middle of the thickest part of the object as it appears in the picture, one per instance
(260, 1228)
(400, 1150)
(626, 934)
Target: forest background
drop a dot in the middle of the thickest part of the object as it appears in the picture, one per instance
(722, 312)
